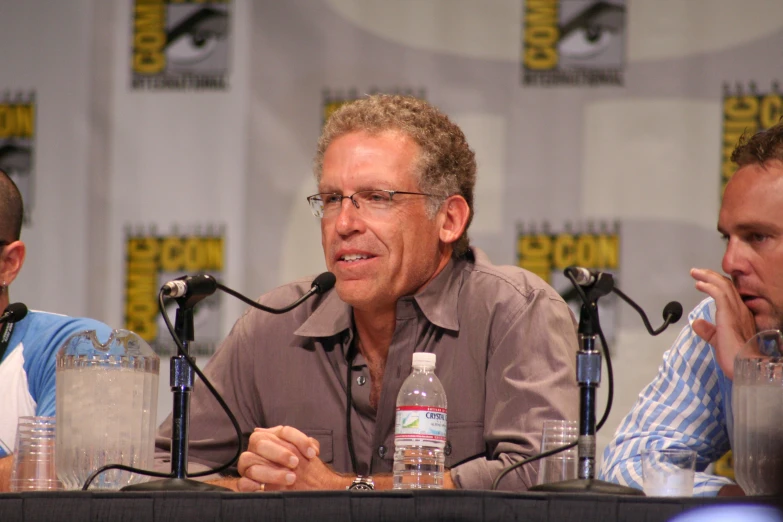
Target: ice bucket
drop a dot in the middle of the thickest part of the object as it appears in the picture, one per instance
(757, 404)
(107, 396)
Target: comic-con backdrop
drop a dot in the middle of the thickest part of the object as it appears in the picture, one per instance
(156, 138)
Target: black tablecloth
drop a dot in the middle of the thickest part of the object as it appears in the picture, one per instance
(343, 505)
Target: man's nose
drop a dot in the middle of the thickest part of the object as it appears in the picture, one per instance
(735, 259)
(348, 220)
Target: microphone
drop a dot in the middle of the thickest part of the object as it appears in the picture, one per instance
(586, 277)
(582, 276)
(672, 312)
(201, 285)
(323, 283)
(13, 313)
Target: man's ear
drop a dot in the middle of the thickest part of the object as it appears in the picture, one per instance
(11, 261)
(455, 212)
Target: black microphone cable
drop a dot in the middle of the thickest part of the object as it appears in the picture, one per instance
(321, 284)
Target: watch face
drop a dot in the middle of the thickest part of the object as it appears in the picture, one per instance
(362, 484)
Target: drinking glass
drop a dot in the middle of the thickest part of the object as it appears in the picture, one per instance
(34, 460)
(668, 472)
(563, 465)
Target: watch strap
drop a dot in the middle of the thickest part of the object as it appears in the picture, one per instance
(361, 483)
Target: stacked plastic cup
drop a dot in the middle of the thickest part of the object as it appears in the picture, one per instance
(33, 468)
(560, 466)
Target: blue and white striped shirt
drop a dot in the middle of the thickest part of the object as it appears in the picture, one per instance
(688, 405)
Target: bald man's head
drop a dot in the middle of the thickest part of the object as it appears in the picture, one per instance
(11, 209)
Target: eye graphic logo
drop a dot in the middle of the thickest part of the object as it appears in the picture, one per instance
(180, 44)
(17, 144)
(573, 42)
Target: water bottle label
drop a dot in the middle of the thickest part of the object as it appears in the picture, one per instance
(420, 423)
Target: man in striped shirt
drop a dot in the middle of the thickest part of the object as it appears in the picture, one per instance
(688, 404)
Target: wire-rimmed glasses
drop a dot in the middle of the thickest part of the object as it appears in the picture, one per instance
(373, 202)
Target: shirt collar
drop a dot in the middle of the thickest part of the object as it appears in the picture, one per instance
(438, 301)
(331, 317)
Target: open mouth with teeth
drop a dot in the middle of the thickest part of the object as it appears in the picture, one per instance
(354, 257)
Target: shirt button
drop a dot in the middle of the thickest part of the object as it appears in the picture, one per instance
(447, 449)
(360, 380)
(381, 451)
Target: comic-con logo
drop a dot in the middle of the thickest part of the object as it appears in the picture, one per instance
(152, 260)
(745, 111)
(17, 143)
(547, 253)
(573, 42)
(333, 99)
(180, 44)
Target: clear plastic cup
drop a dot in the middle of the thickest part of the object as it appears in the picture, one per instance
(34, 460)
(668, 472)
(560, 466)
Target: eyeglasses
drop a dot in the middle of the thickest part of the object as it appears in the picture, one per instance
(369, 202)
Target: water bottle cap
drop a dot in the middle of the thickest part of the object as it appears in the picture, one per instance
(424, 359)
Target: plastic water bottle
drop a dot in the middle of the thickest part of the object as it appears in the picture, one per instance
(420, 429)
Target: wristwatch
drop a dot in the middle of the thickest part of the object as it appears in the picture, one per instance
(361, 483)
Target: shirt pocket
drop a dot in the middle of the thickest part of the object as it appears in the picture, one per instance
(325, 439)
(464, 441)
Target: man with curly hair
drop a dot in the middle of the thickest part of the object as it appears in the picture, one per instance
(315, 389)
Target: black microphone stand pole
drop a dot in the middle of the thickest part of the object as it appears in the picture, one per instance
(181, 379)
(588, 376)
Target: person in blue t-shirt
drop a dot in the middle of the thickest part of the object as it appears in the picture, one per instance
(27, 363)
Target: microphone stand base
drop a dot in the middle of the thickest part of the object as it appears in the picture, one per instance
(174, 484)
(588, 486)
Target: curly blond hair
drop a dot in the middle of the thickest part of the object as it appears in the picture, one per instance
(446, 164)
(11, 209)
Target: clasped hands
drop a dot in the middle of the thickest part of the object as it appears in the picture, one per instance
(734, 323)
(284, 458)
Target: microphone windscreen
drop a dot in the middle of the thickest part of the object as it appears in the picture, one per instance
(324, 282)
(673, 309)
(16, 312)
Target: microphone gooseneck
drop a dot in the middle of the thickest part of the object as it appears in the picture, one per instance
(187, 291)
(321, 284)
(590, 286)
